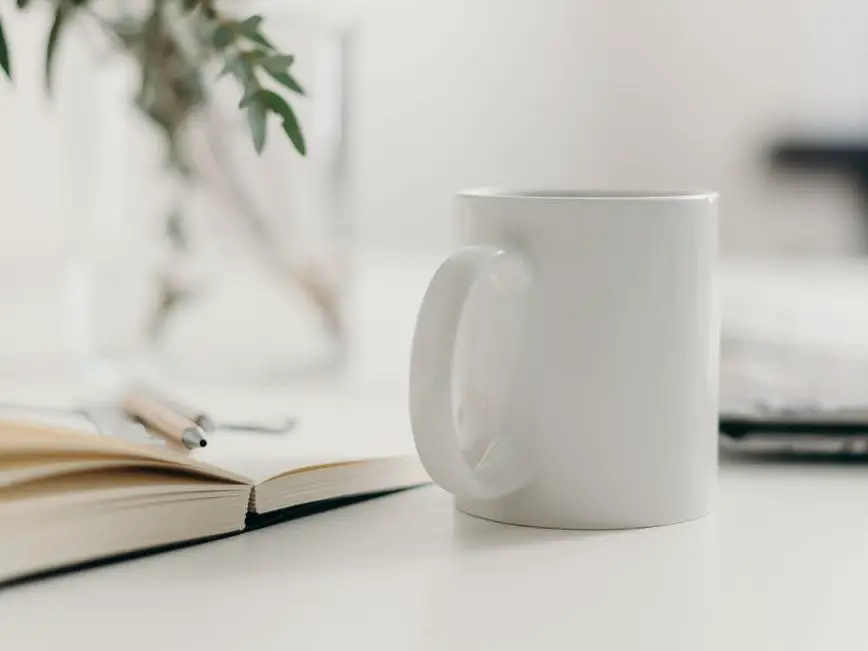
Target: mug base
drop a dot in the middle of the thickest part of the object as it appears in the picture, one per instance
(493, 513)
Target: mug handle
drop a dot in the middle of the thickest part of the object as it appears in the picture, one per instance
(502, 469)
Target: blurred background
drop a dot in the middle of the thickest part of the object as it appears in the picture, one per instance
(766, 102)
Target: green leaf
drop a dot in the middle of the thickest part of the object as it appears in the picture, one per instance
(253, 22)
(222, 36)
(256, 118)
(250, 94)
(285, 79)
(237, 66)
(259, 39)
(4, 54)
(274, 102)
(60, 17)
(266, 99)
(277, 104)
(249, 29)
(293, 130)
(277, 62)
(22, 4)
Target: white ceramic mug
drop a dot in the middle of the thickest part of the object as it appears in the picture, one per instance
(565, 362)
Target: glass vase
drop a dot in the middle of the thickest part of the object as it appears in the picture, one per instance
(235, 270)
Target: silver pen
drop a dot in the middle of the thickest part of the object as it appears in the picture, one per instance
(162, 418)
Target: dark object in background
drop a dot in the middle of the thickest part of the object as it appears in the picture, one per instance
(796, 432)
(846, 155)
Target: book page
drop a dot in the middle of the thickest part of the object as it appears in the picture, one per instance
(71, 442)
(327, 432)
(331, 428)
(68, 419)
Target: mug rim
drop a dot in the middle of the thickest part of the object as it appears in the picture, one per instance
(615, 194)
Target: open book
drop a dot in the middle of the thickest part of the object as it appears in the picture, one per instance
(70, 497)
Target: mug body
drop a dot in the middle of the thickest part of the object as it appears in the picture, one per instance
(603, 376)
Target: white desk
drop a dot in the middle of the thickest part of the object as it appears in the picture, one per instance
(782, 564)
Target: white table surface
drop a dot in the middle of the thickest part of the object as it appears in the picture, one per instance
(781, 564)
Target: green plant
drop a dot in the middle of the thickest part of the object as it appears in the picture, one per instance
(180, 49)
(174, 44)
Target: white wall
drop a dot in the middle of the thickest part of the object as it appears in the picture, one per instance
(44, 152)
(665, 93)
(455, 93)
